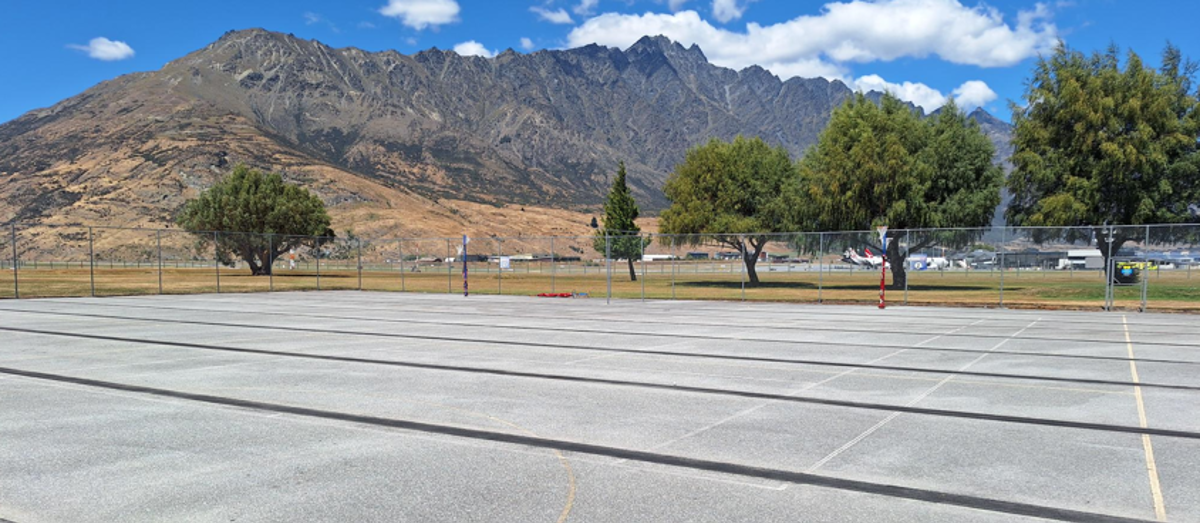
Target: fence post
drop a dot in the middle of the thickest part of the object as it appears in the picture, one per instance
(1003, 240)
(1108, 287)
(608, 266)
(270, 261)
(403, 287)
(217, 261)
(449, 268)
(1145, 268)
(359, 240)
(500, 266)
(642, 253)
(820, 265)
(16, 261)
(553, 266)
(158, 241)
(907, 253)
(1109, 291)
(317, 250)
(674, 257)
(92, 260)
(742, 242)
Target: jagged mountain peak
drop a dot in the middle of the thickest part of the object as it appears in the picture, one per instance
(648, 43)
(545, 128)
(985, 118)
(671, 50)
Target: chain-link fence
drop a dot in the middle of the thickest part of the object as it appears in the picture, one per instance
(9, 285)
(1124, 267)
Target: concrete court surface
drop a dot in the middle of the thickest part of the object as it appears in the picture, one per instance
(360, 406)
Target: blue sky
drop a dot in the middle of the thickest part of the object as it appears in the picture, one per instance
(924, 50)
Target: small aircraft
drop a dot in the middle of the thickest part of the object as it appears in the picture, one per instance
(977, 259)
(870, 260)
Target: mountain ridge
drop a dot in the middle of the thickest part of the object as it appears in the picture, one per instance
(542, 129)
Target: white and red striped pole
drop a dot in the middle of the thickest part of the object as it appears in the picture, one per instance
(882, 265)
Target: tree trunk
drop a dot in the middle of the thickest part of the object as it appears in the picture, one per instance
(899, 275)
(632, 271)
(751, 259)
(1102, 244)
(751, 273)
(268, 262)
(896, 259)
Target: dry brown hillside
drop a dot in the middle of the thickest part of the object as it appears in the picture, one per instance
(430, 144)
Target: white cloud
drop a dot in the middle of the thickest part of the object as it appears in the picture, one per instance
(806, 68)
(675, 5)
(852, 31)
(527, 44)
(473, 48)
(920, 94)
(311, 18)
(557, 16)
(974, 94)
(968, 96)
(727, 10)
(585, 7)
(104, 49)
(419, 14)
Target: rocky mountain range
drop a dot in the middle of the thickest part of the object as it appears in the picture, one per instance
(430, 143)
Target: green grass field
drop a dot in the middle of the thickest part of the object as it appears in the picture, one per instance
(1176, 290)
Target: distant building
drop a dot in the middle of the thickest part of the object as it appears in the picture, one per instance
(1081, 259)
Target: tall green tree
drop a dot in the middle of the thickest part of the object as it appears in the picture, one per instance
(882, 164)
(1100, 141)
(621, 237)
(733, 194)
(245, 207)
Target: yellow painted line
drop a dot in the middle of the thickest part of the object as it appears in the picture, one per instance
(1160, 509)
(566, 511)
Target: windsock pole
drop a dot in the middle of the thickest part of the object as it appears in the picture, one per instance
(882, 266)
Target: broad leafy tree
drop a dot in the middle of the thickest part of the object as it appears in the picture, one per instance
(733, 194)
(882, 164)
(1100, 141)
(248, 205)
(621, 237)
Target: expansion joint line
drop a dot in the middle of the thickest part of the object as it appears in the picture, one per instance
(920, 397)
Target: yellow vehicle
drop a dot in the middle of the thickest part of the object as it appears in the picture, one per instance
(1128, 273)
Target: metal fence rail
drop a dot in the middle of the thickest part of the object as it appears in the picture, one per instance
(1123, 267)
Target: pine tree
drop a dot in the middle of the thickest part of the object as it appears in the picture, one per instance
(621, 237)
